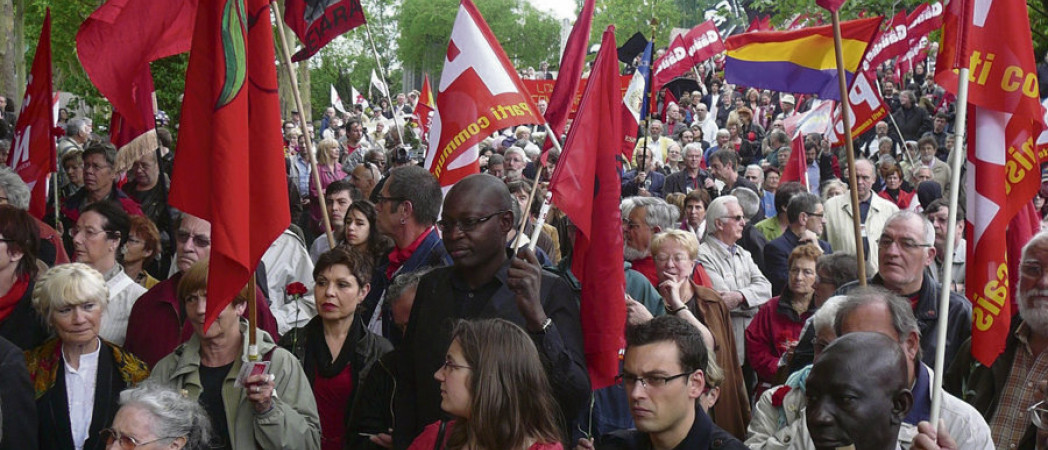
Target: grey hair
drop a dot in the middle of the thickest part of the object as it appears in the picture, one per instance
(832, 184)
(748, 200)
(402, 283)
(723, 132)
(73, 126)
(779, 136)
(16, 189)
(692, 146)
(903, 321)
(825, 315)
(172, 415)
(515, 149)
(657, 213)
(1037, 239)
(842, 268)
(905, 214)
(717, 210)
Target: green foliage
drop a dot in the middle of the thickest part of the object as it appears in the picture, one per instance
(528, 36)
(632, 16)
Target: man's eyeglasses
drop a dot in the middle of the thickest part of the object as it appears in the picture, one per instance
(198, 240)
(468, 224)
(905, 243)
(654, 382)
(678, 258)
(1031, 269)
(124, 441)
(379, 199)
(819, 215)
(738, 218)
(1039, 414)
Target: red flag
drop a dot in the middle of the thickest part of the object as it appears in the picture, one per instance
(230, 148)
(830, 5)
(425, 107)
(891, 42)
(479, 94)
(572, 64)
(754, 24)
(765, 24)
(317, 22)
(32, 152)
(115, 45)
(923, 20)
(667, 99)
(1005, 118)
(585, 186)
(672, 64)
(796, 167)
(703, 42)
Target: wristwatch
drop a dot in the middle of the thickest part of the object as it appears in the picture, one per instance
(545, 325)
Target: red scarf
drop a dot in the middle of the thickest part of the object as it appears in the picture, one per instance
(9, 301)
(398, 256)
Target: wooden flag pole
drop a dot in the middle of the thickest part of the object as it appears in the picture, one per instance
(947, 276)
(860, 253)
(285, 54)
(252, 320)
(531, 197)
(382, 75)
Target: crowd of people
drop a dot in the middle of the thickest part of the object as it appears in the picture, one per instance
(422, 325)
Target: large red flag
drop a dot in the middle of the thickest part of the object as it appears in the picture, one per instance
(572, 63)
(1003, 167)
(425, 107)
(32, 152)
(923, 20)
(479, 94)
(703, 42)
(672, 64)
(115, 45)
(796, 167)
(585, 186)
(891, 42)
(317, 22)
(230, 149)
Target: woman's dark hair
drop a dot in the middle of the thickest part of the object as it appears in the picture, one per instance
(511, 401)
(358, 264)
(118, 223)
(19, 231)
(377, 244)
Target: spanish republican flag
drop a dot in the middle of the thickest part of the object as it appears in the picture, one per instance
(230, 164)
(801, 61)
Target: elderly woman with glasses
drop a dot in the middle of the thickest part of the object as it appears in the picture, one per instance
(77, 376)
(100, 231)
(686, 289)
(152, 416)
(776, 328)
(274, 410)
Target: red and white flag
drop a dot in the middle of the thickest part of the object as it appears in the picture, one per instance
(32, 153)
(424, 109)
(672, 64)
(479, 94)
(890, 43)
(336, 100)
(357, 98)
(703, 42)
(1005, 119)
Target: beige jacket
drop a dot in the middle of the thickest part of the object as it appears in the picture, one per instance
(736, 272)
(839, 229)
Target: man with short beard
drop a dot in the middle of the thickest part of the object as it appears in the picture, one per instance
(1003, 391)
(642, 218)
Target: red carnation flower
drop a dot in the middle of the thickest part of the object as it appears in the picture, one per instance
(779, 395)
(296, 289)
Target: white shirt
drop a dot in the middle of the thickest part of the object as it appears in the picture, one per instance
(123, 293)
(80, 390)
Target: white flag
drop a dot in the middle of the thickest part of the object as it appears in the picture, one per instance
(336, 101)
(378, 84)
(357, 98)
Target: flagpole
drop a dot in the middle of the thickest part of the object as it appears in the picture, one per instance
(960, 132)
(905, 153)
(545, 204)
(286, 54)
(860, 253)
(382, 74)
(649, 92)
(252, 320)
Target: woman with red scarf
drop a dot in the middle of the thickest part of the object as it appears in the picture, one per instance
(19, 244)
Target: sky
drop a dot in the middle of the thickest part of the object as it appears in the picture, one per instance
(561, 9)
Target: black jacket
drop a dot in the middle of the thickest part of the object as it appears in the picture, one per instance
(16, 395)
(429, 335)
(23, 326)
(913, 122)
(55, 430)
(703, 435)
(373, 411)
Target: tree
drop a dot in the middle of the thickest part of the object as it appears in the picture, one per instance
(528, 36)
(12, 70)
(631, 16)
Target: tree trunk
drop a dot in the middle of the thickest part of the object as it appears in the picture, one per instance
(12, 59)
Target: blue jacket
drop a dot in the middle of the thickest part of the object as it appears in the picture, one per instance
(777, 253)
(630, 187)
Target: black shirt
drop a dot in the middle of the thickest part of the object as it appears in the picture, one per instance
(211, 379)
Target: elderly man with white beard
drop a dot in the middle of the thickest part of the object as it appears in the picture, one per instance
(1005, 390)
(642, 218)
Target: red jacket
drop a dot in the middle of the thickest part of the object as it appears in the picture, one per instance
(904, 198)
(775, 327)
(156, 326)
